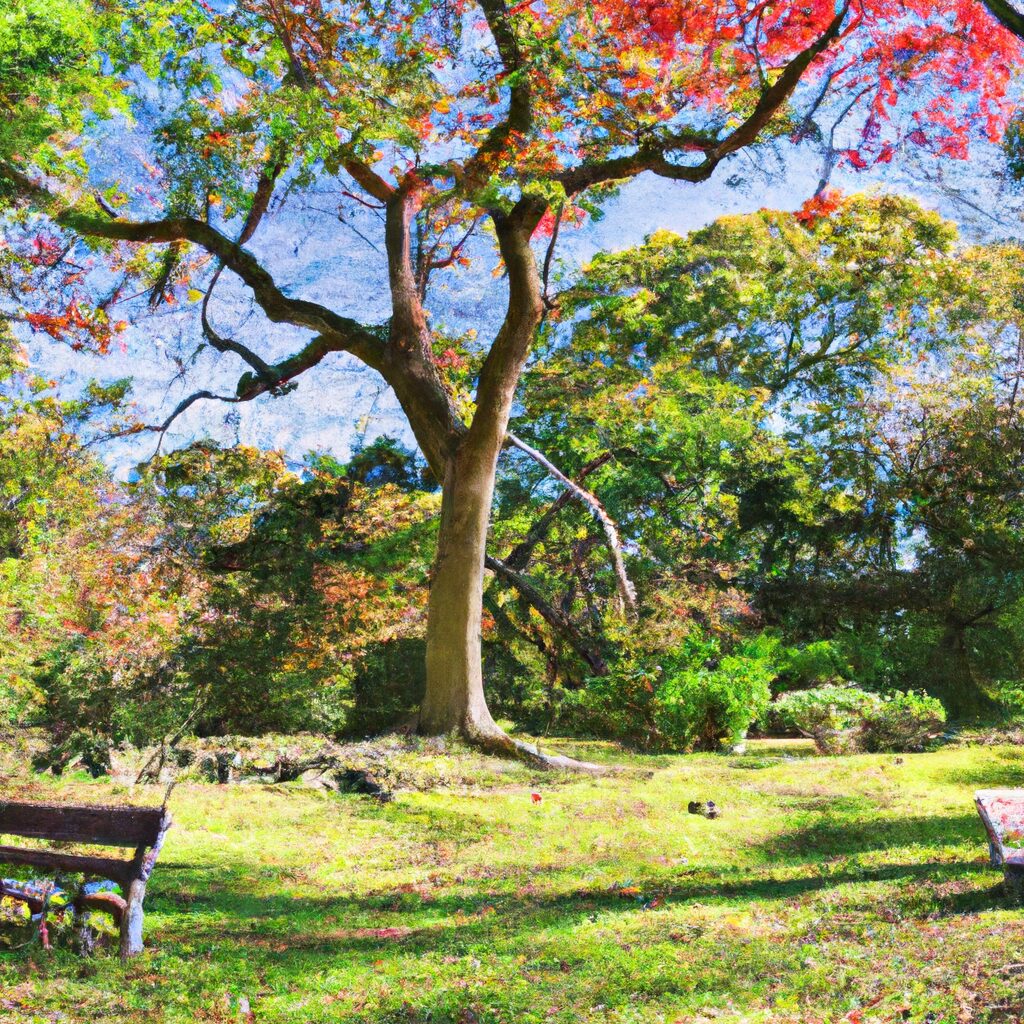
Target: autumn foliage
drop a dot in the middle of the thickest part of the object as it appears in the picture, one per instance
(449, 121)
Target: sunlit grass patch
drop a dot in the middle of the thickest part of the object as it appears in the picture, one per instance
(853, 889)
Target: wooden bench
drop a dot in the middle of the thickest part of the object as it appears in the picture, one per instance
(1002, 813)
(142, 828)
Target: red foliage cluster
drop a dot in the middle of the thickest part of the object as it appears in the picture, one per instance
(571, 215)
(822, 204)
(79, 327)
(955, 56)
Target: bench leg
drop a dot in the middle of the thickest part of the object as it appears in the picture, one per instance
(1013, 881)
(131, 921)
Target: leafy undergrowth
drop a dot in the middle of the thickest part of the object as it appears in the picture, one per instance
(851, 889)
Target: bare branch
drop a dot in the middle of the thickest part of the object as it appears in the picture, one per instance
(278, 307)
(1007, 15)
(626, 590)
(228, 344)
(549, 255)
(559, 622)
(181, 407)
(520, 554)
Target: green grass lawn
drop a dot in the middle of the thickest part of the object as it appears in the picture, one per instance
(852, 889)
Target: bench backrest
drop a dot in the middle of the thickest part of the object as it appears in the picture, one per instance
(95, 824)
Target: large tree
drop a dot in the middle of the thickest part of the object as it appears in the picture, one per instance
(444, 117)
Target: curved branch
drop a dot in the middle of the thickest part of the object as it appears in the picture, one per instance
(562, 626)
(1007, 15)
(181, 407)
(277, 306)
(626, 590)
(227, 344)
(519, 118)
(653, 155)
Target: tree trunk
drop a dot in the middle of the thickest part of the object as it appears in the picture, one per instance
(466, 461)
(454, 699)
(952, 678)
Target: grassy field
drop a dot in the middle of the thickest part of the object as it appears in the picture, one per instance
(853, 889)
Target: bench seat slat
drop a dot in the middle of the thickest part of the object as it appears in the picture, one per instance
(104, 826)
(103, 867)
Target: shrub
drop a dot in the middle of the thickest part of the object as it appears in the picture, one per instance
(844, 719)
(814, 664)
(830, 715)
(902, 721)
(619, 706)
(693, 700)
(699, 708)
(1009, 695)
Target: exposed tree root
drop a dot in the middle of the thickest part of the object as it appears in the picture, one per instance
(490, 739)
(531, 755)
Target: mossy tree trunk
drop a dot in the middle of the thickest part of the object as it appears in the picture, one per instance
(952, 677)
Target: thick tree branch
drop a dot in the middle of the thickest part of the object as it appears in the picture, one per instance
(369, 180)
(313, 352)
(500, 372)
(278, 307)
(560, 623)
(519, 119)
(409, 360)
(519, 556)
(261, 197)
(1007, 15)
(653, 154)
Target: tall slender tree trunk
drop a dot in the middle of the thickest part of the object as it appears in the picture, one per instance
(454, 698)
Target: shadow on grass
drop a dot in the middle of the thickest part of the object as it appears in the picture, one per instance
(835, 835)
(541, 928)
(525, 918)
(472, 922)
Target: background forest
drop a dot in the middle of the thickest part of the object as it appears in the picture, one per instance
(778, 454)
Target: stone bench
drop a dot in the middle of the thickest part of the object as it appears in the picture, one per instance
(1002, 813)
(142, 828)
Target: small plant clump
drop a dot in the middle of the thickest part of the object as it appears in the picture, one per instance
(843, 719)
(902, 722)
(696, 698)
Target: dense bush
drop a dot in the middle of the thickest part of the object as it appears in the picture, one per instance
(831, 715)
(902, 721)
(695, 700)
(844, 719)
(699, 708)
